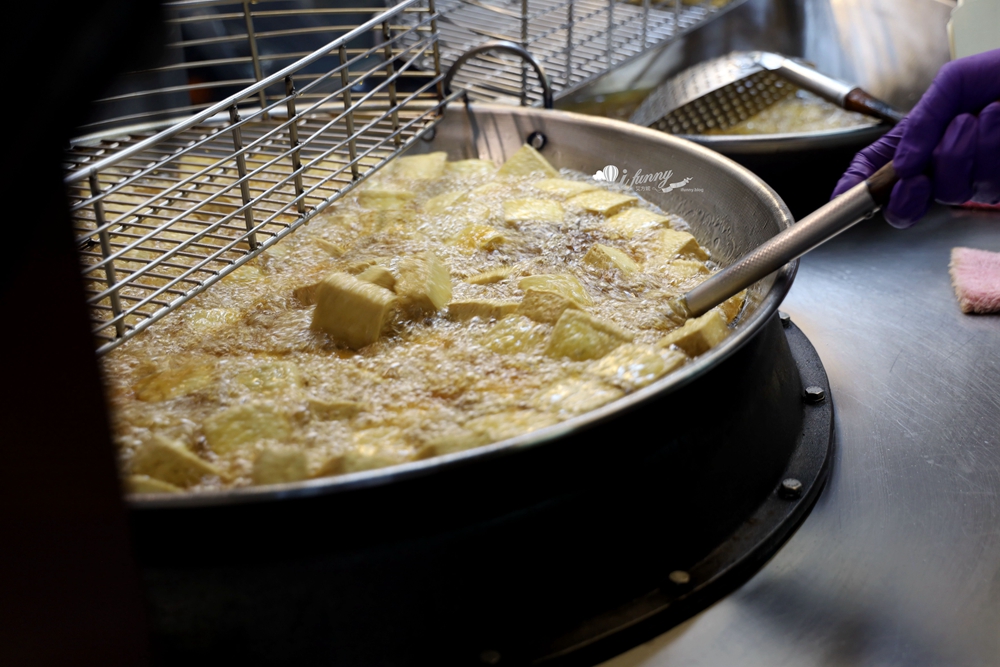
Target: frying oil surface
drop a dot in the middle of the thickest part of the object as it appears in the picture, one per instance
(557, 283)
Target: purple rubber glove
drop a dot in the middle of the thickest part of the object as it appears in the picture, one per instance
(947, 148)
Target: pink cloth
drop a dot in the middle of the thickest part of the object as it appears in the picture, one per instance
(975, 275)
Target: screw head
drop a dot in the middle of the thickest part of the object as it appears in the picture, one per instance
(790, 488)
(680, 577)
(490, 657)
(815, 394)
(537, 140)
(429, 133)
(785, 318)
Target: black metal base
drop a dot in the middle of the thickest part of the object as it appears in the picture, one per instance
(566, 556)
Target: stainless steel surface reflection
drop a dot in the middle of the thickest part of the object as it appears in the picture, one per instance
(899, 562)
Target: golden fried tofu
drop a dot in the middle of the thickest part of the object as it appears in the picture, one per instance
(698, 335)
(470, 168)
(352, 311)
(170, 461)
(581, 336)
(424, 283)
(384, 199)
(514, 334)
(484, 309)
(562, 283)
(672, 243)
(602, 202)
(510, 423)
(635, 220)
(378, 275)
(525, 162)
(271, 376)
(563, 188)
(683, 270)
(491, 276)
(479, 237)
(439, 204)
(329, 410)
(576, 395)
(544, 305)
(428, 167)
(279, 466)
(244, 424)
(634, 366)
(520, 211)
(732, 306)
(606, 257)
(176, 381)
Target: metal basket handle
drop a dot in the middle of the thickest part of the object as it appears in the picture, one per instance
(508, 47)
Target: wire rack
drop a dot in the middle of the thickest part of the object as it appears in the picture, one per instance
(189, 169)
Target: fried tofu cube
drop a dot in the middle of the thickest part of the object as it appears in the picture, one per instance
(424, 283)
(457, 439)
(635, 366)
(606, 257)
(330, 410)
(334, 249)
(514, 334)
(510, 423)
(491, 276)
(352, 311)
(484, 309)
(698, 335)
(683, 270)
(279, 466)
(581, 336)
(635, 220)
(170, 461)
(245, 424)
(673, 243)
(332, 466)
(563, 188)
(147, 484)
(470, 168)
(306, 293)
(545, 306)
(206, 320)
(603, 202)
(732, 306)
(427, 167)
(519, 211)
(561, 283)
(576, 396)
(525, 162)
(479, 237)
(175, 382)
(381, 199)
(440, 203)
(378, 275)
(271, 376)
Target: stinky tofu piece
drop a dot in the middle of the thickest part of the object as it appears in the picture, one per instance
(606, 257)
(245, 424)
(510, 423)
(603, 202)
(271, 376)
(698, 335)
(581, 336)
(147, 484)
(440, 203)
(378, 275)
(527, 161)
(544, 305)
(485, 309)
(479, 237)
(330, 410)
(635, 366)
(562, 283)
(682, 270)
(634, 221)
(673, 243)
(279, 466)
(563, 188)
(175, 382)
(731, 307)
(514, 334)
(518, 211)
(424, 283)
(170, 461)
(383, 199)
(491, 276)
(352, 311)
(576, 395)
(334, 249)
(428, 167)
(470, 168)
(212, 319)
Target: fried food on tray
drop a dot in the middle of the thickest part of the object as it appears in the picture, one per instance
(441, 307)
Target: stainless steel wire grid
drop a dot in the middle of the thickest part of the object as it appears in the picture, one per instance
(262, 114)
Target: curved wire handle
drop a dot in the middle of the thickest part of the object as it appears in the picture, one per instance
(509, 47)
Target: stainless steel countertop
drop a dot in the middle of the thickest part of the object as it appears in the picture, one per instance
(899, 562)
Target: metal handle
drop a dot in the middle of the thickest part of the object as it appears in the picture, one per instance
(816, 228)
(508, 47)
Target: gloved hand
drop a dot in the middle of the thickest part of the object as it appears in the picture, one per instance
(947, 148)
